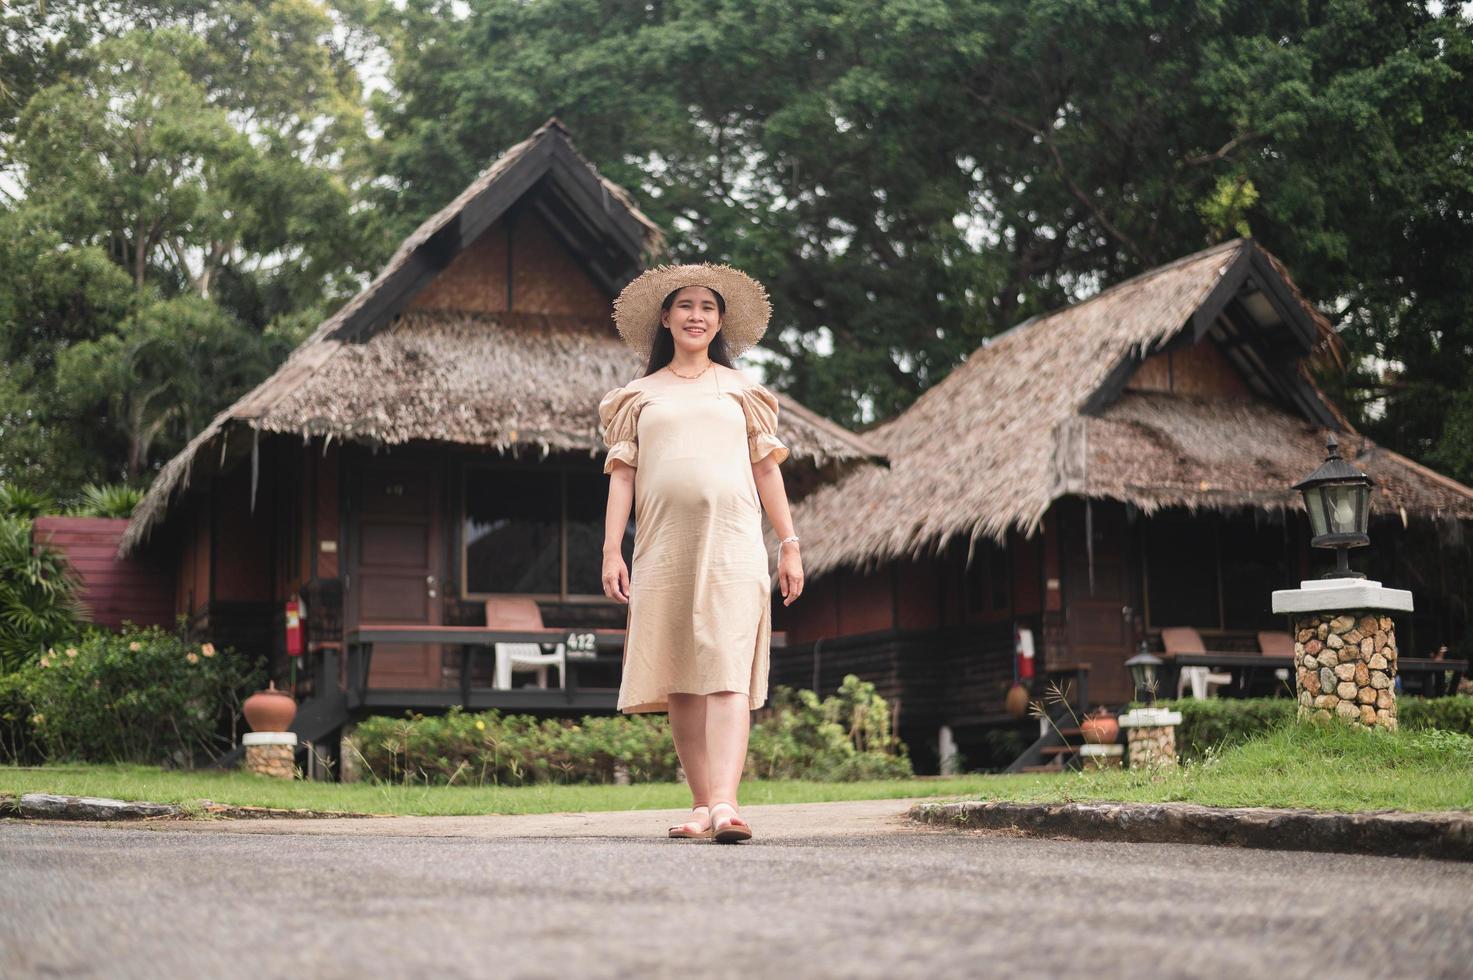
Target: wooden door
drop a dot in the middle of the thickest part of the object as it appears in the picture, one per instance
(1099, 606)
(398, 571)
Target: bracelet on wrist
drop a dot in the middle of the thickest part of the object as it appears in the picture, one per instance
(792, 537)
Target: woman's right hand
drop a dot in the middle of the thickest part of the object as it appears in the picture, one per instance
(616, 578)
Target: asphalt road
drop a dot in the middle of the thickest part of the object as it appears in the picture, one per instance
(86, 900)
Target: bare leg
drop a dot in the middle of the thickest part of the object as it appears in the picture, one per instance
(728, 720)
(688, 727)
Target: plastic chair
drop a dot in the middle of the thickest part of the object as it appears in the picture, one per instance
(1204, 680)
(522, 614)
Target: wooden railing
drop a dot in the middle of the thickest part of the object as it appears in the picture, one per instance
(608, 647)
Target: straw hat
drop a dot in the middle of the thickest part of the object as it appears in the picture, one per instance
(637, 310)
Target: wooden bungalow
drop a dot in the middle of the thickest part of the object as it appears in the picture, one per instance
(1093, 476)
(432, 446)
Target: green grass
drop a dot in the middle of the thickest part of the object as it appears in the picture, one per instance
(1318, 767)
(245, 789)
(1329, 767)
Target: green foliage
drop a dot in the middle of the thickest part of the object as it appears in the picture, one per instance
(1213, 724)
(911, 176)
(143, 695)
(163, 253)
(489, 748)
(20, 502)
(845, 737)
(1450, 714)
(113, 500)
(19, 743)
(38, 596)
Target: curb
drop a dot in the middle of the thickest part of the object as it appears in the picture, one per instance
(1444, 836)
(47, 806)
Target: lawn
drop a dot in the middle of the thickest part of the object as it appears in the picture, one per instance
(246, 789)
(1318, 767)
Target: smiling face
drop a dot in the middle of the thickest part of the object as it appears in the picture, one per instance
(693, 319)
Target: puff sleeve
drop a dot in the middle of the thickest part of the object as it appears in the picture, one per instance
(760, 407)
(618, 414)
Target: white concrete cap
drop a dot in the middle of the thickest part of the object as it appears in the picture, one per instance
(1336, 594)
(269, 738)
(1149, 717)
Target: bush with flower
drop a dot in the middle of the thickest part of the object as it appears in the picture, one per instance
(143, 695)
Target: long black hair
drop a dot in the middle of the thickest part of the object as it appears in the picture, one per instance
(662, 351)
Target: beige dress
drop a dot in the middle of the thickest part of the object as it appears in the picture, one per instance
(700, 593)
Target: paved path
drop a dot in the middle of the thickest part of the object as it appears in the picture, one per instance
(597, 896)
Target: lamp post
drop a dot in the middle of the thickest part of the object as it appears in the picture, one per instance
(1337, 497)
(1150, 732)
(1344, 636)
(1145, 672)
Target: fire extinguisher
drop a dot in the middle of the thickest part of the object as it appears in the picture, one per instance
(294, 628)
(1023, 647)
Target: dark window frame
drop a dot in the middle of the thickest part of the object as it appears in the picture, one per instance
(563, 470)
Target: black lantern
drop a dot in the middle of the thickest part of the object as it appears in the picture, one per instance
(1145, 672)
(1337, 497)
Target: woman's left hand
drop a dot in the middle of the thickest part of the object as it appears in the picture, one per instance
(790, 573)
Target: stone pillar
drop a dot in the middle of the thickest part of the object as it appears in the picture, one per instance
(1344, 649)
(350, 761)
(1150, 734)
(271, 753)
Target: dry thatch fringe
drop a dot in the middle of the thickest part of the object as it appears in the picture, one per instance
(993, 445)
(501, 381)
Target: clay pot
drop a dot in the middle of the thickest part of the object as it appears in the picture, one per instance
(1101, 729)
(270, 710)
(1017, 700)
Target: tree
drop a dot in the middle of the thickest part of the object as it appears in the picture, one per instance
(161, 372)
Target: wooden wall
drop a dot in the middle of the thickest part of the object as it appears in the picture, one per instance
(517, 265)
(1199, 369)
(136, 589)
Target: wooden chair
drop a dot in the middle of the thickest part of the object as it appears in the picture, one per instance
(1204, 680)
(514, 613)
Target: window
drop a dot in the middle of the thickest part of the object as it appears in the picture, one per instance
(1214, 572)
(1181, 569)
(535, 531)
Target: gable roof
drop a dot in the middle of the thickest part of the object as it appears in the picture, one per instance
(1041, 412)
(374, 372)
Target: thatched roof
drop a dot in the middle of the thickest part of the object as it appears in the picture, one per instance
(509, 382)
(1041, 412)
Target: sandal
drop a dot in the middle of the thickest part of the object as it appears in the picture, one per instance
(679, 830)
(734, 830)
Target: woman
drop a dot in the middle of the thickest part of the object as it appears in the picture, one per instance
(693, 447)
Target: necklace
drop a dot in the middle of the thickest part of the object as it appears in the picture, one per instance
(690, 377)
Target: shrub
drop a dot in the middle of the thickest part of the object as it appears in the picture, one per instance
(38, 595)
(1451, 714)
(109, 500)
(513, 749)
(1217, 723)
(18, 742)
(1223, 722)
(143, 695)
(846, 736)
